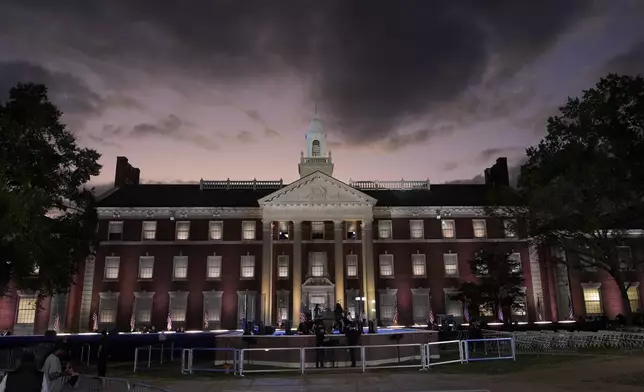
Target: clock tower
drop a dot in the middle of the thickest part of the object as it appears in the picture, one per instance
(316, 157)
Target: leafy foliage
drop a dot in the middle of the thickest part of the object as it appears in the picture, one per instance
(47, 221)
(499, 283)
(582, 187)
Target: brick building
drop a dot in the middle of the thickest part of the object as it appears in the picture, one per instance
(221, 250)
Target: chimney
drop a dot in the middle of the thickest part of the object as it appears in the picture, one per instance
(498, 173)
(125, 174)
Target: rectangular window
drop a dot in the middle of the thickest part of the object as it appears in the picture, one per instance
(216, 230)
(416, 229)
(317, 230)
(420, 305)
(146, 267)
(634, 298)
(485, 311)
(352, 266)
(515, 259)
(352, 230)
(183, 231)
(452, 306)
(149, 230)
(625, 258)
(510, 228)
(282, 266)
(26, 309)
(213, 268)
(115, 231)
(418, 264)
(180, 269)
(178, 306)
(592, 300)
(384, 229)
(283, 297)
(112, 267)
(212, 308)
(386, 263)
(520, 308)
(248, 230)
(107, 308)
(478, 225)
(451, 264)
(283, 231)
(387, 305)
(247, 267)
(318, 264)
(246, 301)
(143, 308)
(448, 228)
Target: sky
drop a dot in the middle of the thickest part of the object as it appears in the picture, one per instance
(217, 89)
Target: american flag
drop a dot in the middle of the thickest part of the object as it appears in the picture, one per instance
(539, 310)
(500, 313)
(95, 322)
(132, 322)
(169, 326)
(56, 323)
(466, 311)
(396, 314)
(430, 314)
(571, 310)
(302, 315)
(205, 319)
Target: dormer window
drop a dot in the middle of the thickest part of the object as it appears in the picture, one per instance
(315, 148)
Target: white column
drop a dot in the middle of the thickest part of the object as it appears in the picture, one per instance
(368, 277)
(338, 237)
(267, 272)
(297, 271)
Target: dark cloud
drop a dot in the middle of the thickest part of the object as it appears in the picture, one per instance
(244, 137)
(256, 117)
(371, 64)
(629, 63)
(514, 169)
(490, 154)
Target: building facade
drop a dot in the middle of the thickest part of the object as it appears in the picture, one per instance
(207, 255)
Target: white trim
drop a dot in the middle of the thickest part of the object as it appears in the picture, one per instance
(429, 212)
(184, 213)
(182, 242)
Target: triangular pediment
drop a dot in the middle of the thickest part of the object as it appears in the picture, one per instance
(317, 187)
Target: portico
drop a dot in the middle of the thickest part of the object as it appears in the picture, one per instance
(317, 197)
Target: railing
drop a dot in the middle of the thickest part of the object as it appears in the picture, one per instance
(83, 382)
(232, 184)
(315, 160)
(162, 350)
(307, 359)
(394, 185)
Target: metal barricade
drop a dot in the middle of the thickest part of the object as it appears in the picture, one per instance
(160, 351)
(489, 349)
(442, 353)
(332, 357)
(87, 383)
(146, 388)
(225, 360)
(262, 360)
(85, 348)
(391, 356)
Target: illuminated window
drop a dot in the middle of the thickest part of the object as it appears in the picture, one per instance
(384, 229)
(452, 306)
(418, 264)
(216, 230)
(112, 267)
(485, 311)
(183, 231)
(420, 305)
(146, 267)
(387, 304)
(282, 266)
(510, 227)
(448, 228)
(634, 297)
(386, 263)
(180, 267)
(592, 300)
(317, 230)
(213, 268)
(247, 266)
(515, 260)
(107, 308)
(149, 230)
(143, 307)
(212, 307)
(178, 306)
(317, 262)
(26, 309)
(352, 266)
(115, 231)
(479, 228)
(451, 264)
(416, 229)
(520, 307)
(248, 230)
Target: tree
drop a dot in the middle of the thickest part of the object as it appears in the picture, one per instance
(47, 219)
(499, 284)
(581, 189)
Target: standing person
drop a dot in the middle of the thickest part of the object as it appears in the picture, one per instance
(353, 336)
(27, 378)
(319, 342)
(103, 354)
(53, 370)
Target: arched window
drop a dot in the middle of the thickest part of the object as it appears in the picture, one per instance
(315, 150)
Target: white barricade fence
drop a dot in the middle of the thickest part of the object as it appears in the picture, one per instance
(225, 360)
(443, 353)
(153, 356)
(391, 356)
(265, 360)
(332, 357)
(489, 349)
